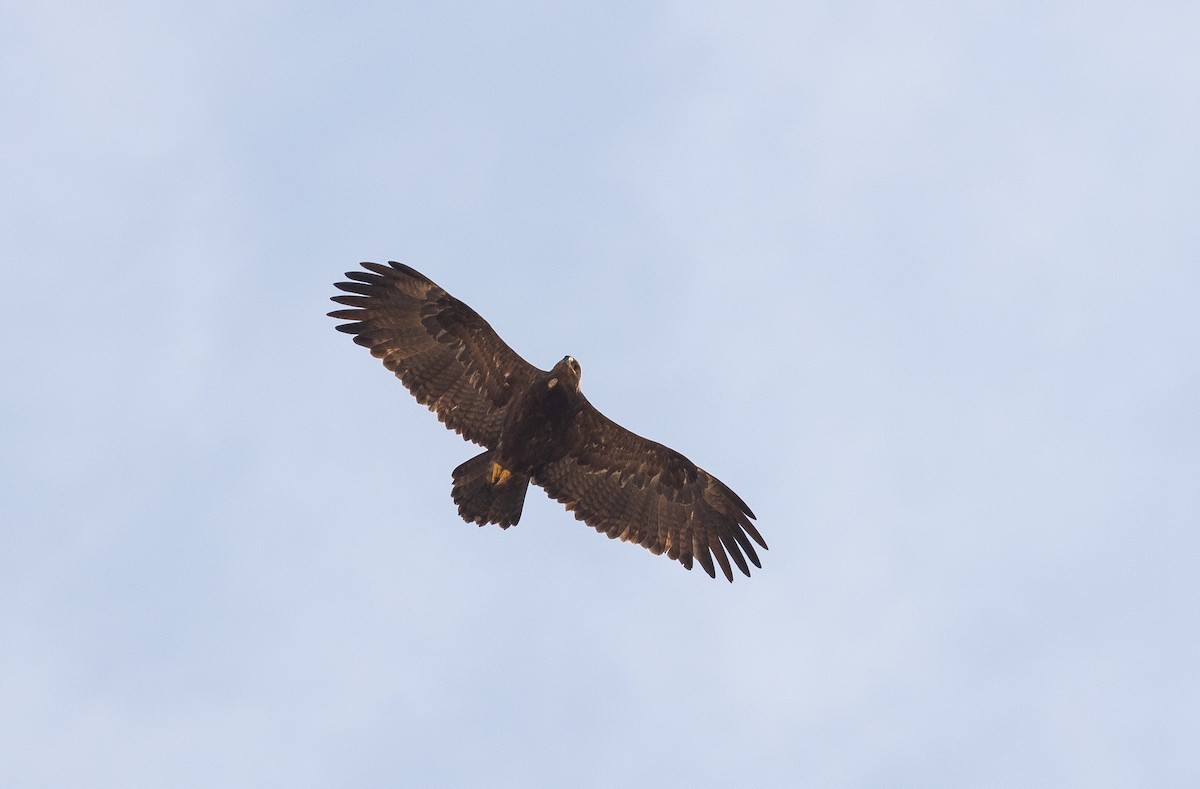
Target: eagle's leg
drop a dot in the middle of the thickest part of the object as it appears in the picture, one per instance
(486, 492)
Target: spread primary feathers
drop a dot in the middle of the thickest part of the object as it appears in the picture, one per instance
(538, 427)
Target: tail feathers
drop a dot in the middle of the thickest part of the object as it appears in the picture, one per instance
(485, 492)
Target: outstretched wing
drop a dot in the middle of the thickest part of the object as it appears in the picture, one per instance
(634, 489)
(448, 357)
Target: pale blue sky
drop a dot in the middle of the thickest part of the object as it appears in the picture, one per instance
(920, 281)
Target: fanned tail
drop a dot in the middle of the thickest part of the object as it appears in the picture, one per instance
(485, 492)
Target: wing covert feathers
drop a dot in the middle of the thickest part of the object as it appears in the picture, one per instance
(448, 357)
(636, 490)
(619, 483)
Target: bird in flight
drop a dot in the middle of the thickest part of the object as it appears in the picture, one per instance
(536, 426)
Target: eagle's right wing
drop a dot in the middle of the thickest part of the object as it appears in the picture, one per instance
(451, 360)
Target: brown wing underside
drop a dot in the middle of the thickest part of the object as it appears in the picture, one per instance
(451, 360)
(637, 490)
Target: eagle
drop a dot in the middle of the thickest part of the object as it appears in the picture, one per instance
(537, 427)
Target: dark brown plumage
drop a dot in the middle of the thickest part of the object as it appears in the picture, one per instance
(538, 427)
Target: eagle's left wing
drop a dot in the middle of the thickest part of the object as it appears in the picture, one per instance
(637, 490)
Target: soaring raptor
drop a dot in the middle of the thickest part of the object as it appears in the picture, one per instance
(537, 427)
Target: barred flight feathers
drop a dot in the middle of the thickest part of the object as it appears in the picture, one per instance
(537, 426)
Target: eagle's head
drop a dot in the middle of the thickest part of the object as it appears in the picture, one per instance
(567, 372)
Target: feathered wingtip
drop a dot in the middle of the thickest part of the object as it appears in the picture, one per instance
(366, 287)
